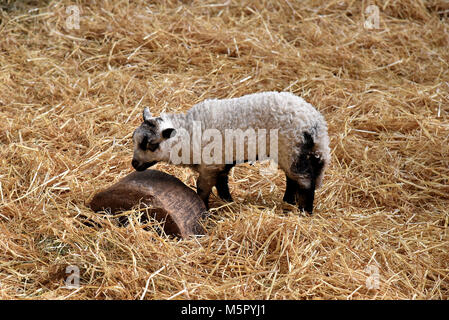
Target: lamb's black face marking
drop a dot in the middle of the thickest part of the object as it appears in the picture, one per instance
(308, 166)
(145, 145)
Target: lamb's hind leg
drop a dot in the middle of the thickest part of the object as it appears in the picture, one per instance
(305, 198)
(291, 190)
(222, 184)
(300, 195)
(304, 172)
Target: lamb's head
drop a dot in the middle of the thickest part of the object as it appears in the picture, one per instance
(149, 141)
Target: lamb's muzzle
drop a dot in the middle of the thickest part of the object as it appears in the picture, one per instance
(142, 166)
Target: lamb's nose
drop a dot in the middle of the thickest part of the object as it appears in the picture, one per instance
(135, 163)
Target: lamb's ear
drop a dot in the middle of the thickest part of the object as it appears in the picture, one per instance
(168, 133)
(146, 115)
(148, 118)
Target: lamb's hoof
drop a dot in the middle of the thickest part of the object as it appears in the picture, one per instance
(227, 199)
(292, 204)
(307, 210)
(289, 201)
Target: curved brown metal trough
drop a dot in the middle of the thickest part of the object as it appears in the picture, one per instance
(166, 196)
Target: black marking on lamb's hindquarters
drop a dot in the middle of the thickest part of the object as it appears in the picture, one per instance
(309, 166)
(308, 163)
(222, 183)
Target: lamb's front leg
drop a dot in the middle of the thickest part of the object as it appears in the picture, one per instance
(204, 184)
(222, 183)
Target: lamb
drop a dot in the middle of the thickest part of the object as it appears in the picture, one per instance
(299, 131)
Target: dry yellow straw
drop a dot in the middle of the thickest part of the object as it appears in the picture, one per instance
(71, 97)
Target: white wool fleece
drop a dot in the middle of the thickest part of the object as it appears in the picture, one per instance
(288, 113)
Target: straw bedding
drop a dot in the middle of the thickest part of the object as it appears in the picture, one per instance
(70, 99)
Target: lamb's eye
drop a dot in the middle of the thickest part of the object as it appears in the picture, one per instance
(143, 143)
(153, 146)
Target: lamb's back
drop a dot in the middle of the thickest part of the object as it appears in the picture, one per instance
(266, 110)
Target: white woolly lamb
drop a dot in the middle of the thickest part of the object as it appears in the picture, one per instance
(302, 141)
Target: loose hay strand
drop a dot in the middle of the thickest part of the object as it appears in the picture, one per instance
(70, 99)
